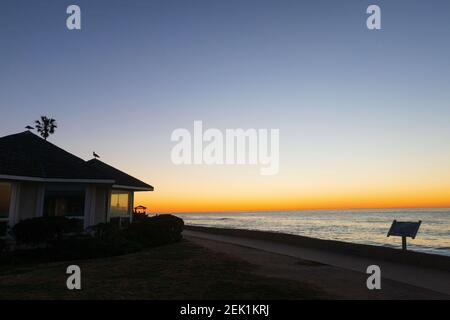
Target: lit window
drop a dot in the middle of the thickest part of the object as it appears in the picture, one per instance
(119, 204)
(5, 196)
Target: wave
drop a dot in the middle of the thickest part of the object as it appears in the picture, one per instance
(206, 218)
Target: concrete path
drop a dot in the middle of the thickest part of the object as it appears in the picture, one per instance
(432, 279)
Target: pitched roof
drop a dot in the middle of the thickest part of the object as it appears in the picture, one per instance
(121, 178)
(25, 155)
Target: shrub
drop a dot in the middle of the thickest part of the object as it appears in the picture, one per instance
(154, 231)
(43, 229)
(108, 240)
(137, 216)
(105, 230)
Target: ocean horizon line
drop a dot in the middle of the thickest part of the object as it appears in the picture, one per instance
(291, 210)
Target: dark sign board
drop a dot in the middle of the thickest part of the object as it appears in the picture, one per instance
(404, 229)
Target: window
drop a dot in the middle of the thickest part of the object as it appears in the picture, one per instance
(120, 204)
(5, 197)
(68, 203)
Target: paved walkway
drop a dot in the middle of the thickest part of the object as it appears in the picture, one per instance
(432, 279)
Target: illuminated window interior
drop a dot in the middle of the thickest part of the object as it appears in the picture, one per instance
(120, 204)
(5, 196)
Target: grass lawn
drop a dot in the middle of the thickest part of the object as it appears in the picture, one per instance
(178, 271)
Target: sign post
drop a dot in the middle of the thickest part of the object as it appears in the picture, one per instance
(404, 230)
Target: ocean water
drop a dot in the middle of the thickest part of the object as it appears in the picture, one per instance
(357, 226)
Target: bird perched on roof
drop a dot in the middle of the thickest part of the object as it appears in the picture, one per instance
(29, 127)
(95, 155)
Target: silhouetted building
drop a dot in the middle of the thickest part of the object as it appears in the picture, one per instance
(38, 179)
(140, 209)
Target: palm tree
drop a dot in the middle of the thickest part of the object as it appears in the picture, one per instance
(45, 126)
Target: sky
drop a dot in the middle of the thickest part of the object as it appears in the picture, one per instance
(363, 115)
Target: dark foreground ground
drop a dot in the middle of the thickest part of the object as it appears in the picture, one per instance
(199, 269)
(179, 271)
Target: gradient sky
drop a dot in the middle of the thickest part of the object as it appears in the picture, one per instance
(363, 115)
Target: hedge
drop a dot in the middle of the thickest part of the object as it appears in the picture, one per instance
(155, 231)
(106, 239)
(43, 230)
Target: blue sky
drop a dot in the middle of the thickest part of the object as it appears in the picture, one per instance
(339, 93)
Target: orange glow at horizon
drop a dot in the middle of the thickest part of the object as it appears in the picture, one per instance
(275, 202)
(303, 183)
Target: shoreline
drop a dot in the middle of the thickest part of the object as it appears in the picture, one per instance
(411, 258)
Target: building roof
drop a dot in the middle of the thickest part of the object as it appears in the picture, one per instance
(121, 178)
(25, 156)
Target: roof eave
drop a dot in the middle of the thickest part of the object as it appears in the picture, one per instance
(54, 180)
(118, 186)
